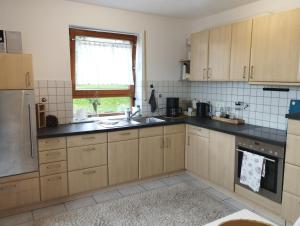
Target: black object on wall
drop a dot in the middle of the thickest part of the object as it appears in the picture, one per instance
(276, 89)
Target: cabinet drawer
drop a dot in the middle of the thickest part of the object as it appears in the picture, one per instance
(88, 179)
(52, 156)
(152, 131)
(81, 140)
(123, 135)
(294, 127)
(174, 129)
(53, 168)
(54, 186)
(292, 149)
(291, 184)
(86, 157)
(19, 193)
(290, 207)
(198, 131)
(52, 143)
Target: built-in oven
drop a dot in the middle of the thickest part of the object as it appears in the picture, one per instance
(272, 180)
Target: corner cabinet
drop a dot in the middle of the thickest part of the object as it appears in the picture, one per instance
(219, 53)
(199, 56)
(16, 71)
(221, 159)
(275, 51)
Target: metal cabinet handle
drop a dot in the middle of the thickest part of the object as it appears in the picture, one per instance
(53, 153)
(52, 141)
(54, 166)
(209, 74)
(87, 138)
(89, 149)
(251, 71)
(244, 71)
(27, 80)
(8, 187)
(89, 172)
(55, 178)
(125, 134)
(204, 73)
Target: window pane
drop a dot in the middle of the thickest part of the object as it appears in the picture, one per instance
(102, 63)
(105, 105)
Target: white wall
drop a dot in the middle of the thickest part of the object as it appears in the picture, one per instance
(44, 25)
(247, 11)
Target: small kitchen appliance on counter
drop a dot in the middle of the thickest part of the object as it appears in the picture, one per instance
(173, 109)
(203, 110)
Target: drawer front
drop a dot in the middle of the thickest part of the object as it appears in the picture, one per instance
(290, 207)
(86, 157)
(54, 186)
(123, 135)
(294, 127)
(198, 131)
(53, 168)
(292, 149)
(52, 143)
(174, 129)
(153, 131)
(291, 184)
(88, 139)
(88, 179)
(52, 156)
(19, 193)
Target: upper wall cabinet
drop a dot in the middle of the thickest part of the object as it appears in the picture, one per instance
(16, 71)
(275, 48)
(240, 50)
(219, 53)
(199, 56)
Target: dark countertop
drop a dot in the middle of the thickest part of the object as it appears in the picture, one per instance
(268, 135)
(295, 116)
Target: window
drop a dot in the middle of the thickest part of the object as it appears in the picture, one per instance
(102, 71)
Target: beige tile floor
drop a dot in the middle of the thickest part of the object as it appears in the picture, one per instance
(27, 219)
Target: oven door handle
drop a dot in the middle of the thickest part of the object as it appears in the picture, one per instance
(267, 159)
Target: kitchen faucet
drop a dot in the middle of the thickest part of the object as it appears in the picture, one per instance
(130, 115)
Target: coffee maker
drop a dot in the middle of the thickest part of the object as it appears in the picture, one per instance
(173, 109)
(203, 110)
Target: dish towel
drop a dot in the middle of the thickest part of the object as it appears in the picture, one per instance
(152, 101)
(252, 169)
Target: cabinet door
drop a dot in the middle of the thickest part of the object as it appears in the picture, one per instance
(219, 53)
(199, 56)
(197, 155)
(54, 186)
(123, 161)
(275, 48)
(290, 207)
(221, 159)
(240, 50)
(151, 156)
(16, 71)
(174, 152)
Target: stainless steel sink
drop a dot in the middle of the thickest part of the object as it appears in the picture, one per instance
(112, 123)
(149, 120)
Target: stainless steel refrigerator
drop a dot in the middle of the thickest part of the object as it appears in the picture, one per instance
(18, 142)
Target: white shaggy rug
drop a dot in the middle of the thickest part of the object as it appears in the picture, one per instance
(177, 205)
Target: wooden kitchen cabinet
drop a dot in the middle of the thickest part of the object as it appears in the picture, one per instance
(292, 149)
(199, 56)
(290, 207)
(197, 151)
(16, 71)
(54, 186)
(151, 156)
(123, 161)
(275, 51)
(174, 146)
(219, 53)
(240, 50)
(221, 159)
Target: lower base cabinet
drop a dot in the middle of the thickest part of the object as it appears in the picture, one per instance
(174, 152)
(87, 179)
(123, 161)
(290, 207)
(54, 186)
(19, 193)
(151, 156)
(221, 159)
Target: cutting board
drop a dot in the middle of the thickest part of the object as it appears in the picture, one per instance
(228, 120)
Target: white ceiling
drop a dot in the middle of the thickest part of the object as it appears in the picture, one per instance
(186, 9)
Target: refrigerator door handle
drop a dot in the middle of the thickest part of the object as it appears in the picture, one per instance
(30, 132)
